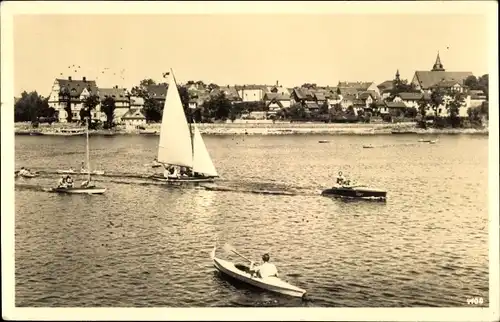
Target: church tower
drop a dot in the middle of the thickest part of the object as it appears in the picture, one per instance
(438, 67)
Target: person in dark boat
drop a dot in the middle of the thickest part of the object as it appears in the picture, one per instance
(264, 270)
(340, 179)
(62, 182)
(69, 182)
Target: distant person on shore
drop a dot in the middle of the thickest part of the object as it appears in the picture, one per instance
(264, 270)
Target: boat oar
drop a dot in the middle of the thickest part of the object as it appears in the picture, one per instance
(230, 248)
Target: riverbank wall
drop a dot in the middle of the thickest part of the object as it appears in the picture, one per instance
(265, 128)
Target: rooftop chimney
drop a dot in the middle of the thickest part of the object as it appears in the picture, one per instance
(277, 83)
(69, 78)
(84, 78)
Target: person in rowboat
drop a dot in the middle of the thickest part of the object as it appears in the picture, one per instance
(266, 269)
(69, 182)
(87, 184)
(24, 171)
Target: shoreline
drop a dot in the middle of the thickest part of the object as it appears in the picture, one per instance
(268, 129)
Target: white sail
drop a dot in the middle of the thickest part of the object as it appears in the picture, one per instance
(175, 145)
(202, 162)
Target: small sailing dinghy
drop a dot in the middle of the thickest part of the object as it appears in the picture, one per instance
(87, 187)
(241, 273)
(180, 143)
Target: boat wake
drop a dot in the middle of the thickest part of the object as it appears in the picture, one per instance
(248, 185)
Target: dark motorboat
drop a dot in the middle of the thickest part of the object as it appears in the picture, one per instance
(356, 192)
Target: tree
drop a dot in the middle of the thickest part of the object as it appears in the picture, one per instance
(453, 108)
(479, 83)
(401, 86)
(235, 112)
(411, 112)
(297, 111)
(324, 108)
(31, 107)
(108, 107)
(483, 85)
(152, 110)
(471, 82)
(217, 107)
(350, 110)
(147, 82)
(212, 86)
(437, 99)
(89, 104)
(309, 85)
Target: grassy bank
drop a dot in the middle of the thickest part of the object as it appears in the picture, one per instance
(269, 128)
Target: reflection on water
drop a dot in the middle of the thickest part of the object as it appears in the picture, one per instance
(146, 244)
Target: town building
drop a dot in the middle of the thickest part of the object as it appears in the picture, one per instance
(251, 93)
(70, 91)
(425, 81)
(122, 103)
(133, 118)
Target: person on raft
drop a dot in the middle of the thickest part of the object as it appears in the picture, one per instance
(266, 269)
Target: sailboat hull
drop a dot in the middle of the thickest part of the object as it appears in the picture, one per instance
(183, 180)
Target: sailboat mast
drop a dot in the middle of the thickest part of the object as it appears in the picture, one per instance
(88, 153)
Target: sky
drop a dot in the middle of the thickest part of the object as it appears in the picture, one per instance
(243, 48)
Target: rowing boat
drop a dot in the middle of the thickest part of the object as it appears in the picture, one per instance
(240, 272)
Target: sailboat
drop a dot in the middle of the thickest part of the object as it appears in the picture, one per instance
(89, 188)
(181, 143)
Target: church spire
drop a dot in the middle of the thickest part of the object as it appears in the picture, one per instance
(397, 74)
(438, 67)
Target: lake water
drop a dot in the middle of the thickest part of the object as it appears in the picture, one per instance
(146, 244)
